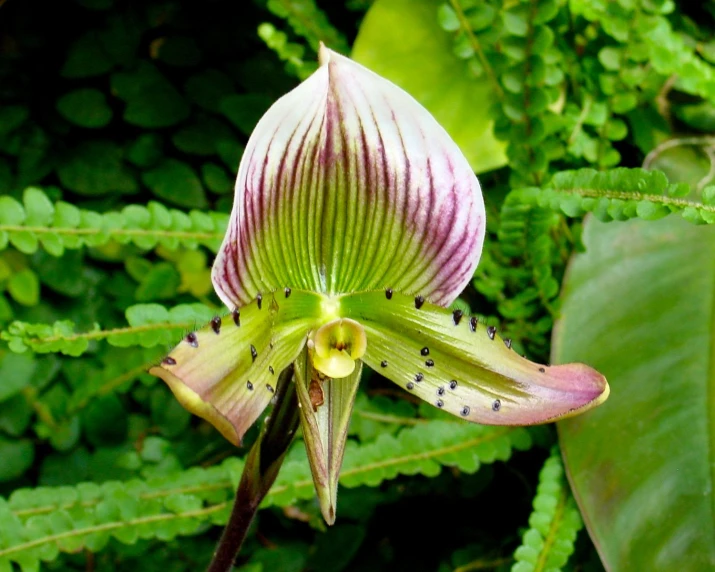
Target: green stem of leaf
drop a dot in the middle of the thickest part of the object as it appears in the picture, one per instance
(118, 232)
(477, 47)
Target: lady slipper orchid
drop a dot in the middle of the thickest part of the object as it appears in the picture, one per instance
(356, 222)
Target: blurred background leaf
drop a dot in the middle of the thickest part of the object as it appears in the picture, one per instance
(638, 306)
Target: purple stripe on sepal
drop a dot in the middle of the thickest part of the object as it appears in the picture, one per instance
(348, 184)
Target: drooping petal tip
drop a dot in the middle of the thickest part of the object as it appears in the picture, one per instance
(589, 387)
(192, 402)
(464, 367)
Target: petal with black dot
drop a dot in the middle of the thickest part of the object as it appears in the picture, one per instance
(494, 385)
(215, 376)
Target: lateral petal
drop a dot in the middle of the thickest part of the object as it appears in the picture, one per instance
(227, 371)
(464, 368)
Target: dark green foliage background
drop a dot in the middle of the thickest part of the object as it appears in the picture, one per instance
(106, 104)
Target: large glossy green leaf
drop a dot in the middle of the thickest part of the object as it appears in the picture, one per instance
(639, 307)
(402, 41)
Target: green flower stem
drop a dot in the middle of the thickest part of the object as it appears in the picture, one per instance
(260, 472)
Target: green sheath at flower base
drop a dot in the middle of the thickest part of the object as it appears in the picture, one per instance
(356, 221)
(325, 408)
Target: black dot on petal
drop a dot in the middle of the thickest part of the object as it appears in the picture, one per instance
(249, 385)
(496, 406)
(192, 341)
(236, 315)
(383, 363)
(270, 368)
(269, 387)
(507, 342)
(168, 360)
(388, 293)
(216, 324)
(440, 403)
(453, 384)
(287, 292)
(542, 370)
(440, 391)
(465, 411)
(419, 377)
(254, 353)
(457, 316)
(473, 323)
(410, 385)
(429, 363)
(259, 300)
(424, 351)
(491, 332)
(419, 300)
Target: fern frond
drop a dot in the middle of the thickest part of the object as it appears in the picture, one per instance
(525, 231)
(453, 17)
(422, 449)
(514, 47)
(113, 377)
(376, 415)
(617, 194)
(38, 222)
(553, 525)
(40, 523)
(310, 22)
(665, 49)
(621, 194)
(290, 52)
(531, 216)
(149, 325)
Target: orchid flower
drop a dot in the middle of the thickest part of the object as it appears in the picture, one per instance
(357, 221)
